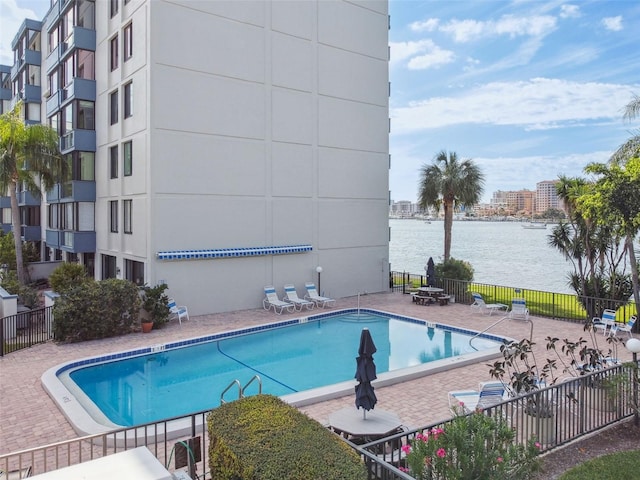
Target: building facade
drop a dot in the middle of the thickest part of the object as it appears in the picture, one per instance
(220, 146)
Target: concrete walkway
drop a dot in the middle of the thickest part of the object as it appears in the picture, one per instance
(29, 418)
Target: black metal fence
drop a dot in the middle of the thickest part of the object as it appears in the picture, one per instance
(575, 407)
(540, 303)
(578, 406)
(25, 329)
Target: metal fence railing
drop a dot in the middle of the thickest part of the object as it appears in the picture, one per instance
(25, 329)
(565, 306)
(576, 407)
(579, 406)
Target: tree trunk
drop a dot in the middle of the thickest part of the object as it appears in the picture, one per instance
(634, 274)
(16, 225)
(448, 222)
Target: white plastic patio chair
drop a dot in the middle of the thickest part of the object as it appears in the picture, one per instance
(312, 294)
(488, 308)
(292, 297)
(519, 310)
(177, 311)
(606, 321)
(271, 301)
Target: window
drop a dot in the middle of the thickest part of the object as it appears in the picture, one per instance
(127, 163)
(113, 10)
(128, 100)
(127, 214)
(134, 271)
(108, 267)
(113, 216)
(113, 162)
(128, 42)
(113, 109)
(86, 115)
(86, 64)
(114, 53)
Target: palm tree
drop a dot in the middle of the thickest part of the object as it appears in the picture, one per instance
(29, 157)
(632, 110)
(452, 184)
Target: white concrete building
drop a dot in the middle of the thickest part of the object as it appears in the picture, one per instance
(221, 125)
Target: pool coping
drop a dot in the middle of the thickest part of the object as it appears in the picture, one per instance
(72, 402)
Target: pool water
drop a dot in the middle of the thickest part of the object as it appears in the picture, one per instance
(294, 358)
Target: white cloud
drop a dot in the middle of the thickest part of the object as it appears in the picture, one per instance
(540, 103)
(514, 26)
(613, 23)
(428, 25)
(570, 11)
(403, 50)
(433, 59)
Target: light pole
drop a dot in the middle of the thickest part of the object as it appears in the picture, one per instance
(633, 345)
(319, 270)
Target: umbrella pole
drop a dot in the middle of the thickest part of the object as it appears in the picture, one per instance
(364, 413)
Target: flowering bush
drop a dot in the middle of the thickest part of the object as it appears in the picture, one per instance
(473, 446)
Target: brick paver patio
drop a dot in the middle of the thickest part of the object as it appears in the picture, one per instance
(29, 418)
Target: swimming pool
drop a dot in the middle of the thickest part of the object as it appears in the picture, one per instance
(302, 360)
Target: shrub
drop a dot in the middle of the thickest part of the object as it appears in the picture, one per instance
(261, 437)
(96, 310)
(156, 304)
(68, 276)
(455, 270)
(471, 447)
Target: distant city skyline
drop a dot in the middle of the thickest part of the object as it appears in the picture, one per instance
(526, 89)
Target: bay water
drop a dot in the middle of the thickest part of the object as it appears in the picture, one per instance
(501, 253)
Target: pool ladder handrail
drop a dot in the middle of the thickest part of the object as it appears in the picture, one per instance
(241, 389)
(506, 317)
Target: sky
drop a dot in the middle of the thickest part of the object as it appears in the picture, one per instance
(527, 89)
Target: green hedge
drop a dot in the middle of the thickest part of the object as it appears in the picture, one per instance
(95, 310)
(261, 437)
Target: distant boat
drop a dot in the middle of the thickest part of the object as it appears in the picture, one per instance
(535, 226)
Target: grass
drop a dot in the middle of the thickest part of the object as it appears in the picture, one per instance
(615, 466)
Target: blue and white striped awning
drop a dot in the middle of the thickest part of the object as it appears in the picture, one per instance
(231, 252)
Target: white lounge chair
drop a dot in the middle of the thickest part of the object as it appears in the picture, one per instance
(271, 300)
(519, 309)
(606, 321)
(292, 297)
(490, 393)
(489, 308)
(312, 295)
(623, 327)
(177, 311)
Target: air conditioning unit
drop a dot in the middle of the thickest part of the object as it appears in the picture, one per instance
(47, 93)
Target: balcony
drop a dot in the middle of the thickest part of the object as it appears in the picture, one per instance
(71, 241)
(31, 233)
(73, 191)
(32, 94)
(26, 199)
(81, 38)
(84, 140)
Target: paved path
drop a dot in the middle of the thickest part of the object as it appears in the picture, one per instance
(29, 418)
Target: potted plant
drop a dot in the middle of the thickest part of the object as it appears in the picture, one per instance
(155, 307)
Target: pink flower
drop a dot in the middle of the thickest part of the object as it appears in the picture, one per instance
(538, 446)
(461, 403)
(406, 448)
(441, 452)
(499, 460)
(420, 436)
(403, 469)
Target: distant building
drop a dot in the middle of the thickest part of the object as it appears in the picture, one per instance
(547, 197)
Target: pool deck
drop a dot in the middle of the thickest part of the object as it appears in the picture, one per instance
(29, 418)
